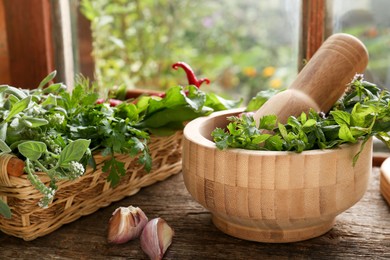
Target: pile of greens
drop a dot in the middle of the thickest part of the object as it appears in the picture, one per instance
(56, 131)
(362, 112)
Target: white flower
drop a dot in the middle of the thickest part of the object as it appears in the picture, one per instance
(76, 168)
(358, 77)
(57, 118)
(57, 150)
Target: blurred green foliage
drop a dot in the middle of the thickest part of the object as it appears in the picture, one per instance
(236, 44)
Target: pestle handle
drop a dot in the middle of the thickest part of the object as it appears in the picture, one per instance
(322, 81)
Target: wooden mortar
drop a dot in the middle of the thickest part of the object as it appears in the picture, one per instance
(322, 81)
(271, 196)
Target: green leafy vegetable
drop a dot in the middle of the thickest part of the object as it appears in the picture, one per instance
(363, 112)
(55, 131)
(163, 116)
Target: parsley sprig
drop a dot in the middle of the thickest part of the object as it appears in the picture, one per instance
(362, 112)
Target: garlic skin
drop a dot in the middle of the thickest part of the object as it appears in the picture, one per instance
(156, 238)
(126, 224)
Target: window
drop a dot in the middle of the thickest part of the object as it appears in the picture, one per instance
(369, 21)
(241, 46)
(231, 42)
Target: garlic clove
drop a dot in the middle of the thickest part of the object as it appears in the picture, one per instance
(126, 224)
(156, 238)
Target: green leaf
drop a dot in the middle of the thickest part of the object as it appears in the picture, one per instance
(32, 149)
(143, 103)
(283, 131)
(18, 107)
(256, 102)
(346, 134)
(3, 130)
(51, 100)
(4, 147)
(195, 98)
(220, 138)
(293, 121)
(74, 151)
(341, 117)
(274, 143)
(128, 111)
(268, 122)
(361, 115)
(146, 160)
(218, 103)
(115, 169)
(55, 88)
(5, 210)
(47, 79)
(15, 92)
(172, 115)
(34, 122)
(309, 123)
(260, 138)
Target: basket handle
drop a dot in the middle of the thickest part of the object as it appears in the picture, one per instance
(4, 178)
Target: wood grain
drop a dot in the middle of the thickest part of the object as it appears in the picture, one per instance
(4, 55)
(360, 232)
(31, 49)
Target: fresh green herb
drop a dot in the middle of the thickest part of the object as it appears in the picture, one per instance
(55, 131)
(162, 116)
(362, 112)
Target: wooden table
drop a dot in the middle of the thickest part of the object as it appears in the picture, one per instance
(361, 232)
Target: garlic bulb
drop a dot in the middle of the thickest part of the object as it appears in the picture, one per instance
(156, 238)
(126, 224)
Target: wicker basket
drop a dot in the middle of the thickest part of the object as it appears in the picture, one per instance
(84, 195)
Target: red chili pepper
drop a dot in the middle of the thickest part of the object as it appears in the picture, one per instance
(113, 102)
(192, 80)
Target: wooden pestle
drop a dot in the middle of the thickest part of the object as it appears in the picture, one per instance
(322, 81)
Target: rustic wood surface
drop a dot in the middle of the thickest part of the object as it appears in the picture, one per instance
(363, 231)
